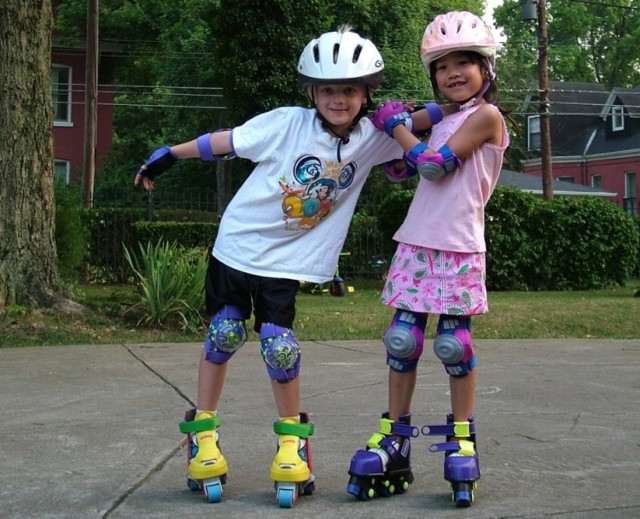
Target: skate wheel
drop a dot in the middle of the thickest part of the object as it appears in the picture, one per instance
(363, 489)
(286, 494)
(193, 484)
(462, 494)
(212, 490)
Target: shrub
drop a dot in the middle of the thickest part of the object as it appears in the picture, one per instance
(590, 243)
(171, 281)
(71, 234)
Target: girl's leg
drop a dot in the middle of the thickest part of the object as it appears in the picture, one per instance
(463, 392)
(401, 388)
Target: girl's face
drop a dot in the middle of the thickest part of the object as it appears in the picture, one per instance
(339, 104)
(458, 76)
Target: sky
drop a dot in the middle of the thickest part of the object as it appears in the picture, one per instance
(488, 18)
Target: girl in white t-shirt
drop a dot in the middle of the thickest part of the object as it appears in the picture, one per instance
(311, 165)
(439, 264)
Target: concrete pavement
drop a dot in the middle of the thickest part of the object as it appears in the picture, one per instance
(92, 431)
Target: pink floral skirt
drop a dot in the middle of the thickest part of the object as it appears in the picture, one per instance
(436, 282)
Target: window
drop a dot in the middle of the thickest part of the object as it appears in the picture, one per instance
(566, 179)
(534, 132)
(61, 170)
(617, 118)
(630, 193)
(61, 95)
(596, 181)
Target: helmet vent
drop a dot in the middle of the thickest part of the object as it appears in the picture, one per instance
(336, 53)
(356, 54)
(316, 53)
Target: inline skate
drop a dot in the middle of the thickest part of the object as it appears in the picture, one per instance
(461, 465)
(293, 463)
(207, 468)
(384, 467)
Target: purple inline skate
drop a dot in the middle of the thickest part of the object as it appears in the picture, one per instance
(461, 466)
(384, 467)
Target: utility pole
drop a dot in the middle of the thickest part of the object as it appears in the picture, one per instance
(529, 13)
(91, 105)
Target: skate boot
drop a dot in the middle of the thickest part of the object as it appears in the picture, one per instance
(292, 466)
(207, 468)
(384, 468)
(461, 465)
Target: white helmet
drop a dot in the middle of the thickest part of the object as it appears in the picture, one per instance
(456, 31)
(340, 57)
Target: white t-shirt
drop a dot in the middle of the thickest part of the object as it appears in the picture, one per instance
(448, 214)
(291, 216)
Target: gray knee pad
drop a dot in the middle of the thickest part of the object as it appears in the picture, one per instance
(453, 345)
(280, 352)
(404, 340)
(227, 333)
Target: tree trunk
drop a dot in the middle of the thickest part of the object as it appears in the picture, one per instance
(28, 262)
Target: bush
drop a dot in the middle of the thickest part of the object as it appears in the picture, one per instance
(514, 257)
(171, 281)
(567, 243)
(71, 234)
(590, 243)
(190, 235)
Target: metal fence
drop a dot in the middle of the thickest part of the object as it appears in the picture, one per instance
(111, 227)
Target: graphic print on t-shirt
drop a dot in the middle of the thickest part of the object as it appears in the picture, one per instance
(314, 190)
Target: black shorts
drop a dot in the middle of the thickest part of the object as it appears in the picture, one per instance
(273, 300)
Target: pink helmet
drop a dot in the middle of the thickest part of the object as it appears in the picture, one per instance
(454, 31)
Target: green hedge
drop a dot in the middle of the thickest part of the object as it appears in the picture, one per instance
(190, 235)
(567, 243)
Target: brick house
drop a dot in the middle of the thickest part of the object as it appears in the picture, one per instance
(68, 96)
(595, 138)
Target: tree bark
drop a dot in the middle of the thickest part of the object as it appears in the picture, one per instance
(28, 262)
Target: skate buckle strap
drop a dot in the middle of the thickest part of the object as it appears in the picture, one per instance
(389, 427)
(195, 426)
(301, 430)
(460, 429)
(465, 447)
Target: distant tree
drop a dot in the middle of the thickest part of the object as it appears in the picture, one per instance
(589, 41)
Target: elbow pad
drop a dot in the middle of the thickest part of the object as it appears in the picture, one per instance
(206, 152)
(398, 176)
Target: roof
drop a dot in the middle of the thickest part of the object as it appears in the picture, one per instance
(569, 98)
(533, 184)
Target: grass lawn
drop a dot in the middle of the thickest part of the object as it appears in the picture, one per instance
(600, 314)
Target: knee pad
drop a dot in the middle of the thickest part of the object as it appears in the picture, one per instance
(227, 333)
(280, 352)
(453, 345)
(404, 340)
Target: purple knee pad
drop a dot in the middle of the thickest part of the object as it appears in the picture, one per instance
(404, 340)
(280, 352)
(226, 334)
(453, 345)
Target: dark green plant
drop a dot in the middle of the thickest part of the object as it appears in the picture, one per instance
(171, 282)
(590, 243)
(513, 257)
(71, 234)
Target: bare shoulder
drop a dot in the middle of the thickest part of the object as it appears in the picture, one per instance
(490, 119)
